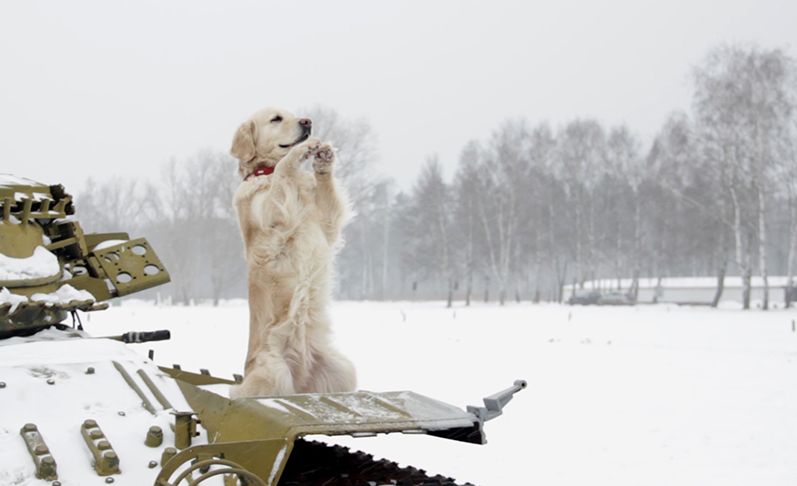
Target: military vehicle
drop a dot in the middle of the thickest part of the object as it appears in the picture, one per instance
(82, 410)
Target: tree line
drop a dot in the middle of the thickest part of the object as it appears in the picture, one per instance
(529, 209)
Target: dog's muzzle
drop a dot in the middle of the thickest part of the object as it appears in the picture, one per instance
(307, 126)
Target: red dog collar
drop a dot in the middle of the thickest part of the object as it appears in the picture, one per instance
(260, 171)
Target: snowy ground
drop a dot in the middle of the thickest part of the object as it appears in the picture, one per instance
(621, 396)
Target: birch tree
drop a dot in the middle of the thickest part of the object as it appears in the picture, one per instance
(504, 168)
(581, 151)
(625, 161)
(431, 247)
(743, 102)
(468, 191)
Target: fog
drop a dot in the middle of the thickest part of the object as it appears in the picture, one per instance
(119, 88)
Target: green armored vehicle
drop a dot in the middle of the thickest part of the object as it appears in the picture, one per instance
(80, 410)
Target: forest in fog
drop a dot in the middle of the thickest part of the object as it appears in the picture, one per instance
(530, 208)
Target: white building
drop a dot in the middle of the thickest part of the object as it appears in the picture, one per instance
(689, 290)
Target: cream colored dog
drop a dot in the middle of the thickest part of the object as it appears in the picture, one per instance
(291, 222)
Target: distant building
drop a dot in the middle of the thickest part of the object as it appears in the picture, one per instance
(689, 290)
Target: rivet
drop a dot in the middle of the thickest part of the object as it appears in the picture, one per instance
(154, 436)
(56, 483)
(153, 464)
(90, 370)
(167, 454)
(95, 434)
(30, 428)
(103, 445)
(2, 384)
(109, 480)
(89, 423)
(122, 413)
(50, 381)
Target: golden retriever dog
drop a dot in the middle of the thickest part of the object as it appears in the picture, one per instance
(290, 220)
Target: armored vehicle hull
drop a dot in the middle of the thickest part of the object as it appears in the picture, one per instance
(81, 410)
(78, 409)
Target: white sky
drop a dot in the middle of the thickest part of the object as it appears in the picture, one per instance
(112, 87)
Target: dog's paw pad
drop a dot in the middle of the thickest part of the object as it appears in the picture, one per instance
(326, 152)
(324, 157)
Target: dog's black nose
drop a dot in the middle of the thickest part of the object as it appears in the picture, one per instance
(305, 122)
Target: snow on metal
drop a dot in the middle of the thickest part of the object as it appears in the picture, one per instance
(42, 264)
(65, 295)
(47, 384)
(12, 180)
(6, 297)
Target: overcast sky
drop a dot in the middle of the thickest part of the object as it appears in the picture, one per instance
(112, 88)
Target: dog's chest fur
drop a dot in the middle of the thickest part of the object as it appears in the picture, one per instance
(280, 226)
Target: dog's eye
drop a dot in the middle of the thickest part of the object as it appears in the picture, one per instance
(276, 119)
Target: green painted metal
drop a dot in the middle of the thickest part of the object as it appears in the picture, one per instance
(263, 430)
(34, 215)
(195, 378)
(106, 461)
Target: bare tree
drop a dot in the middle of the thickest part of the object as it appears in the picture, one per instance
(468, 191)
(430, 249)
(110, 205)
(581, 153)
(785, 175)
(743, 101)
(624, 161)
(504, 168)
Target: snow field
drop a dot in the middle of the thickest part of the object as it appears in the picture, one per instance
(617, 395)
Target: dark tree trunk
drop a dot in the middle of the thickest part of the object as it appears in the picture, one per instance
(747, 278)
(468, 289)
(720, 283)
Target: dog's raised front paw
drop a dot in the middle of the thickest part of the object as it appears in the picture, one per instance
(298, 154)
(324, 157)
(306, 149)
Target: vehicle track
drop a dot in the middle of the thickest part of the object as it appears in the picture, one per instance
(314, 463)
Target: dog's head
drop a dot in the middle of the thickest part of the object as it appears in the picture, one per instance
(267, 137)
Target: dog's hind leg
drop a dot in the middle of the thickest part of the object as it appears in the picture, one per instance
(270, 375)
(332, 373)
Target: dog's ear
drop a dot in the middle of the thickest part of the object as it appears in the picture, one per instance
(243, 144)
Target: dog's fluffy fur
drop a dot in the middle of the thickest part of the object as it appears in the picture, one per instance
(291, 222)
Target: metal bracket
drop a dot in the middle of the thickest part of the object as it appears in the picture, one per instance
(46, 467)
(494, 404)
(106, 462)
(184, 429)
